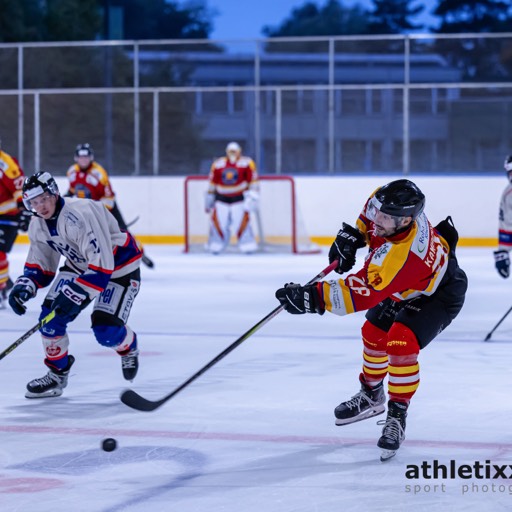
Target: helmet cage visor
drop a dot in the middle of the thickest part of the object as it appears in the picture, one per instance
(375, 207)
(45, 183)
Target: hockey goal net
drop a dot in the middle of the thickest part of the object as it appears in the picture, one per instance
(277, 224)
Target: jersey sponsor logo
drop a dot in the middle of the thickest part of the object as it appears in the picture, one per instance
(422, 234)
(379, 253)
(67, 251)
(131, 293)
(230, 176)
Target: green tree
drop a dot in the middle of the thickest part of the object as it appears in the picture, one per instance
(393, 17)
(72, 20)
(331, 19)
(479, 58)
(20, 21)
(463, 16)
(161, 19)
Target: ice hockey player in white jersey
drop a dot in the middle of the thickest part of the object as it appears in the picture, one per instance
(101, 265)
(501, 256)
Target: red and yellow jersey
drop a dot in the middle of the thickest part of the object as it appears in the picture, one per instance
(231, 180)
(91, 183)
(11, 184)
(402, 267)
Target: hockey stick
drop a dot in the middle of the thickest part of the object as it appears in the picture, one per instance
(133, 221)
(135, 401)
(27, 335)
(488, 337)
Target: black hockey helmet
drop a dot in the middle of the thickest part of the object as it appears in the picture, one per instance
(400, 198)
(84, 150)
(38, 184)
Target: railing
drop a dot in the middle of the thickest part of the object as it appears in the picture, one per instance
(340, 105)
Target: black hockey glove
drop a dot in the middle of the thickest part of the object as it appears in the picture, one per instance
(298, 299)
(344, 248)
(23, 290)
(69, 301)
(24, 219)
(502, 262)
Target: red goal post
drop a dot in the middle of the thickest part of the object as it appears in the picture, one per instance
(277, 224)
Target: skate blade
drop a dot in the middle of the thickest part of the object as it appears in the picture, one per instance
(387, 454)
(369, 414)
(47, 394)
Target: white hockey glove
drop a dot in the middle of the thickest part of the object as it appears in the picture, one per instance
(209, 202)
(502, 262)
(251, 200)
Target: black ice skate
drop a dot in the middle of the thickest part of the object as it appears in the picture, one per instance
(130, 363)
(365, 404)
(393, 432)
(52, 384)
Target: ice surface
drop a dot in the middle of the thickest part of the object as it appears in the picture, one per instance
(256, 432)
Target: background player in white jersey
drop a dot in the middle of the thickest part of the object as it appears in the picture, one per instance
(233, 192)
(101, 264)
(502, 256)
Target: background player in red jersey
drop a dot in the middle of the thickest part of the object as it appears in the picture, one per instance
(13, 215)
(502, 256)
(411, 287)
(233, 192)
(89, 180)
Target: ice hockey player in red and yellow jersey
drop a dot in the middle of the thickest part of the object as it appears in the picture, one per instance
(13, 215)
(411, 288)
(233, 193)
(89, 180)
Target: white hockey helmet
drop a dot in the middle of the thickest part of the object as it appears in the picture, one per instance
(233, 151)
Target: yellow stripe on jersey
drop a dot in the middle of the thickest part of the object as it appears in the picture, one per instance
(388, 260)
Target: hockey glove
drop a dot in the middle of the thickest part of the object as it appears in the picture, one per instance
(23, 290)
(69, 301)
(251, 200)
(502, 262)
(209, 202)
(298, 299)
(344, 248)
(24, 219)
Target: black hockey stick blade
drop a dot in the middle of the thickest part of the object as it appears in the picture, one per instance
(135, 401)
(488, 337)
(27, 335)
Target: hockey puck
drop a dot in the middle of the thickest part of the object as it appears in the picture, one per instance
(109, 444)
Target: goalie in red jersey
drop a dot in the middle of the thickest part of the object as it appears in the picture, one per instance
(233, 193)
(411, 287)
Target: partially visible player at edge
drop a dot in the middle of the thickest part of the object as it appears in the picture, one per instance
(101, 264)
(13, 215)
(233, 193)
(88, 179)
(502, 256)
(410, 285)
